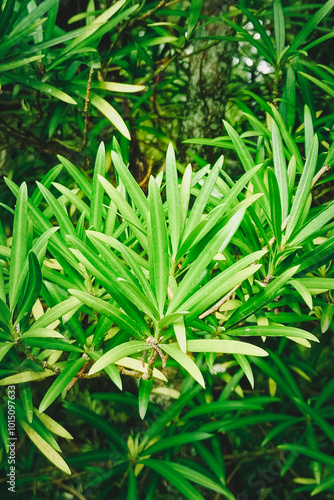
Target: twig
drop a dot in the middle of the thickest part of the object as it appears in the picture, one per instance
(144, 181)
(221, 302)
(323, 169)
(71, 490)
(87, 99)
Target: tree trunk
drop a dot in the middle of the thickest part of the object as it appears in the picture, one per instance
(209, 74)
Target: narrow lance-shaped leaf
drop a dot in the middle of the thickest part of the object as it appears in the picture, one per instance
(225, 346)
(109, 310)
(173, 199)
(33, 289)
(145, 387)
(115, 354)
(131, 185)
(310, 25)
(273, 331)
(126, 211)
(275, 206)
(95, 219)
(192, 279)
(262, 298)
(280, 170)
(174, 477)
(158, 246)
(314, 225)
(46, 449)
(279, 27)
(309, 130)
(185, 196)
(26, 399)
(194, 13)
(248, 163)
(56, 312)
(60, 383)
(202, 199)
(19, 245)
(303, 188)
(62, 217)
(185, 361)
(180, 333)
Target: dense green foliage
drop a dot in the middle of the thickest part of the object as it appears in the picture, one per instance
(211, 285)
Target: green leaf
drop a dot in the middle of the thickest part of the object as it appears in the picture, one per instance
(82, 181)
(35, 14)
(46, 449)
(109, 310)
(4, 348)
(98, 422)
(273, 331)
(194, 13)
(315, 19)
(132, 486)
(110, 112)
(173, 197)
(180, 333)
(194, 275)
(45, 88)
(248, 163)
(314, 225)
(280, 169)
(327, 484)
(60, 383)
(315, 455)
(288, 139)
(318, 283)
(169, 414)
(56, 312)
(316, 417)
(26, 399)
(158, 246)
(131, 185)
(185, 196)
(62, 217)
(73, 198)
(144, 393)
(262, 298)
(52, 425)
(134, 261)
(118, 352)
(303, 292)
(202, 199)
(34, 287)
(96, 24)
(95, 219)
(127, 212)
(225, 347)
(279, 27)
(110, 370)
(317, 257)
(19, 245)
(185, 361)
(49, 343)
(175, 441)
(275, 206)
(169, 473)
(220, 285)
(28, 376)
(327, 317)
(201, 479)
(16, 64)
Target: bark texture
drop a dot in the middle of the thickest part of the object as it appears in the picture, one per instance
(209, 74)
